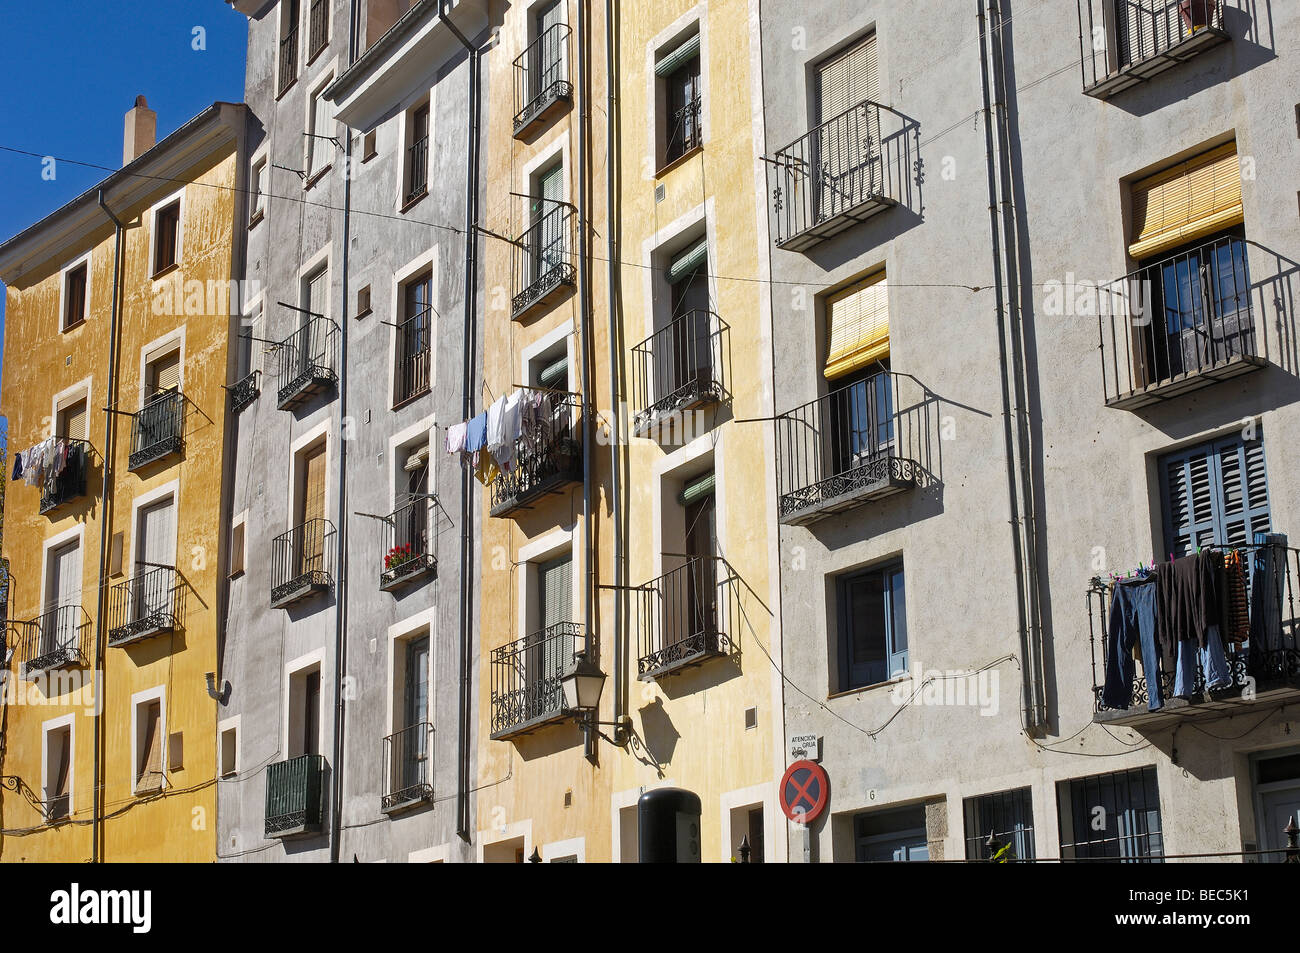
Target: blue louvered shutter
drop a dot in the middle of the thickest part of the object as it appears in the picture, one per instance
(1214, 493)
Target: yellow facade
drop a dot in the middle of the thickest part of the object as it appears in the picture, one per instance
(186, 310)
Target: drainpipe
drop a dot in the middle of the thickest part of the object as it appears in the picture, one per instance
(464, 715)
(106, 529)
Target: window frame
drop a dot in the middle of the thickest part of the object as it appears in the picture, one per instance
(1011, 801)
(176, 199)
(886, 570)
(1218, 516)
(1067, 814)
(48, 728)
(139, 702)
(65, 298)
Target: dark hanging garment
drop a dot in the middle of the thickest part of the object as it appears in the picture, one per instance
(1266, 587)
(1132, 633)
(1236, 605)
(18, 467)
(1187, 602)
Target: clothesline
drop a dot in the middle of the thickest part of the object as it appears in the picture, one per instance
(490, 443)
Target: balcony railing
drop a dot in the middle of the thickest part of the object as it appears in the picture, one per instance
(319, 27)
(308, 362)
(1126, 42)
(417, 170)
(680, 366)
(295, 796)
(1178, 325)
(71, 483)
(548, 456)
(542, 265)
(542, 86)
(289, 58)
(688, 615)
(526, 689)
(408, 756)
(860, 442)
(414, 355)
(302, 562)
(58, 638)
(143, 606)
(245, 391)
(848, 169)
(157, 430)
(1263, 671)
(408, 545)
(685, 131)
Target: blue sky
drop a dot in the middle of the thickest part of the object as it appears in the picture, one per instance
(73, 69)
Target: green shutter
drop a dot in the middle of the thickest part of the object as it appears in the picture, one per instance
(679, 57)
(1214, 493)
(689, 261)
(699, 487)
(555, 591)
(555, 376)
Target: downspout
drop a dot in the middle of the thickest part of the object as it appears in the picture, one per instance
(615, 350)
(464, 715)
(1007, 435)
(106, 529)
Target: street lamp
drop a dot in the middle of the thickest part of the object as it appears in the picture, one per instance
(582, 683)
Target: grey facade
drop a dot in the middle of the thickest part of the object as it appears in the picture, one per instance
(368, 644)
(904, 752)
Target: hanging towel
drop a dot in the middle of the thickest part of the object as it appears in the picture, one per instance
(456, 437)
(511, 428)
(476, 434)
(495, 433)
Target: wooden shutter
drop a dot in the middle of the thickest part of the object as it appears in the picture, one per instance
(313, 484)
(319, 149)
(73, 421)
(318, 294)
(1214, 493)
(857, 326)
(63, 588)
(555, 591)
(846, 79)
(164, 374)
(550, 186)
(61, 782)
(157, 543)
(237, 550)
(149, 772)
(75, 297)
(1193, 199)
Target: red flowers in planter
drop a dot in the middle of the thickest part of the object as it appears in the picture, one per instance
(399, 555)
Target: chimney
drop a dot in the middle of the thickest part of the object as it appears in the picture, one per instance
(141, 131)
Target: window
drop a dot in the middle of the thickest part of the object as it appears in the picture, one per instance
(304, 712)
(76, 297)
(409, 548)
(872, 626)
(149, 776)
(61, 616)
(548, 244)
(414, 339)
(73, 422)
(290, 16)
(685, 364)
(409, 747)
(1111, 815)
(363, 302)
(237, 547)
(369, 145)
(244, 347)
(747, 824)
(1007, 817)
(552, 648)
(320, 148)
(228, 750)
(417, 155)
(678, 72)
(259, 182)
(309, 539)
(847, 144)
(57, 769)
(548, 57)
(1214, 493)
(319, 36)
(890, 835)
(166, 241)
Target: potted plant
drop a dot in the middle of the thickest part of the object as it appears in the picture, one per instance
(1197, 13)
(398, 556)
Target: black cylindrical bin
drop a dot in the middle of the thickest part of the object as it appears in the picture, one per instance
(669, 822)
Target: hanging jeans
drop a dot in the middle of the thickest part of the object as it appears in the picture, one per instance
(1132, 620)
(1211, 660)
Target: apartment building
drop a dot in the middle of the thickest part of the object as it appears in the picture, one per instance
(118, 334)
(1031, 331)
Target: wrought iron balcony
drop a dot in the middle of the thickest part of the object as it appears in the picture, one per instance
(541, 263)
(863, 441)
(408, 755)
(1126, 42)
(157, 430)
(526, 689)
(1178, 325)
(414, 356)
(417, 170)
(687, 615)
(1263, 672)
(681, 366)
(308, 362)
(245, 391)
(542, 87)
(548, 455)
(851, 167)
(143, 606)
(58, 638)
(288, 59)
(71, 483)
(295, 796)
(408, 535)
(319, 27)
(302, 562)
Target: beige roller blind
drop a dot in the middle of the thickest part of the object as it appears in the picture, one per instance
(72, 421)
(165, 373)
(313, 490)
(1189, 201)
(857, 326)
(847, 78)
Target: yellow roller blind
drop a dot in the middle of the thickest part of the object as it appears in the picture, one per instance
(166, 373)
(1189, 201)
(857, 326)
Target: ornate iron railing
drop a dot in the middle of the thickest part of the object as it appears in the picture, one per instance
(58, 638)
(844, 171)
(408, 756)
(1124, 42)
(1177, 325)
(319, 26)
(547, 455)
(687, 615)
(685, 131)
(70, 484)
(144, 605)
(295, 795)
(302, 562)
(414, 355)
(157, 429)
(408, 538)
(526, 688)
(681, 365)
(1269, 659)
(863, 440)
(307, 361)
(542, 266)
(245, 391)
(289, 58)
(542, 77)
(417, 170)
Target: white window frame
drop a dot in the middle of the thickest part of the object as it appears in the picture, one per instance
(179, 197)
(66, 398)
(161, 347)
(68, 721)
(258, 200)
(63, 291)
(231, 724)
(404, 632)
(551, 546)
(412, 269)
(694, 20)
(170, 490)
(138, 700)
(317, 92)
(423, 97)
(314, 659)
